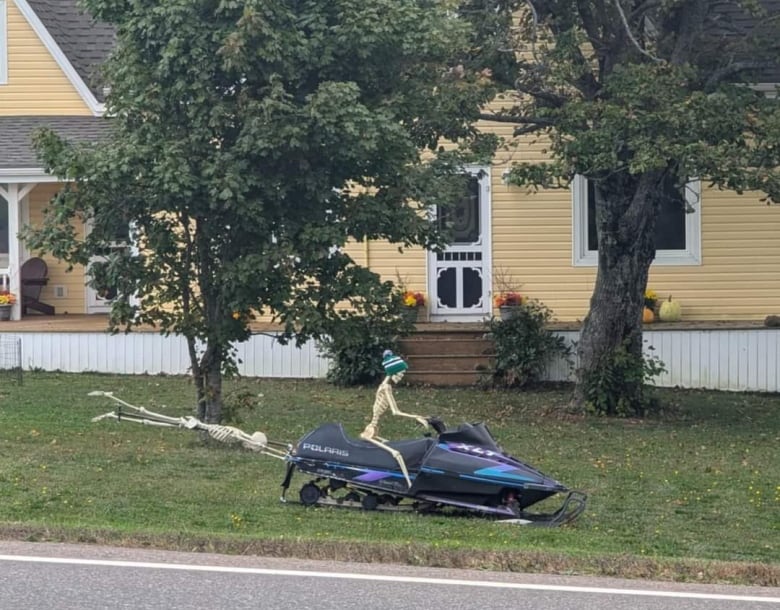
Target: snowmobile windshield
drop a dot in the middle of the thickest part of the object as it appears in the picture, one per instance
(472, 434)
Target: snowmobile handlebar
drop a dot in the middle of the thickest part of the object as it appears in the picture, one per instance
(437, 424)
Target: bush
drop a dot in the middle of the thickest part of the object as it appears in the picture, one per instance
(523, 344)
(356, 342)
(612, 389)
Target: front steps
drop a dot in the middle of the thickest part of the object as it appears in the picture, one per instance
(447, 354)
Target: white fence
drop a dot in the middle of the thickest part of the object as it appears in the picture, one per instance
(717, 359)
(150, 353)
(727, 359)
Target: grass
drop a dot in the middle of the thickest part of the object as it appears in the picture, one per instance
(693, 496)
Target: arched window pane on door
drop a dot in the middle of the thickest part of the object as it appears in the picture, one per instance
(462, 218)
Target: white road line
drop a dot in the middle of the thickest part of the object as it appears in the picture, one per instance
(381, 578)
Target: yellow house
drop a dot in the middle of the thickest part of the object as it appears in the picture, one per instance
(49, 52)
(720, 260)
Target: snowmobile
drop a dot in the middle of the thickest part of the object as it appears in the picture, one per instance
(460, 470)
(463, 469)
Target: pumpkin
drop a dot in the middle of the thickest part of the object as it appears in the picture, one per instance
(670, 311)
(648, 316)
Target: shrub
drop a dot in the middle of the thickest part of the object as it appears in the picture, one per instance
(611, 388)
(523, 344)
(355, 344)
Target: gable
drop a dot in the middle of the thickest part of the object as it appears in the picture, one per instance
(39, 80)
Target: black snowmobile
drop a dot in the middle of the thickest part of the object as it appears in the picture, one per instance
(461, 469)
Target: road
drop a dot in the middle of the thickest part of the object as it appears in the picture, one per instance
(35, 576)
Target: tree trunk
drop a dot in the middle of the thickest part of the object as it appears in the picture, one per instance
(610, 377)
(207, 375)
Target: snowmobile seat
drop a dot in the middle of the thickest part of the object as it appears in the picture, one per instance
(330, 442)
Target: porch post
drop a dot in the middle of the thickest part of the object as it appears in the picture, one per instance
(14, 262)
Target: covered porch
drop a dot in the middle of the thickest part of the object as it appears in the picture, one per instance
(21, 173)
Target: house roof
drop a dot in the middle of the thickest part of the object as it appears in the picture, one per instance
(736, 30)
(16, 133)
(85, 44)
(84, 41)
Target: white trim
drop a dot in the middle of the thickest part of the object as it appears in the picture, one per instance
(582, 257)
(3, 42)
(97, 108)
(31, 174)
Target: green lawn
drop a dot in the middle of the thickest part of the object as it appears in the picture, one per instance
(668, 498)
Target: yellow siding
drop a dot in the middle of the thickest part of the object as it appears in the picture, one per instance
(532, 244)
(75, 292)
(36, 85)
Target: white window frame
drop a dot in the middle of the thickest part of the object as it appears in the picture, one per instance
(691, 255)
(3, 42)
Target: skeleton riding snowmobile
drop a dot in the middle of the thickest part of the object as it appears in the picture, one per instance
(461, 469)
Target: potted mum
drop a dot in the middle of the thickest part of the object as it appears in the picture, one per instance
(413, 302)
(651, 307)
(507, 303)
(7, 300)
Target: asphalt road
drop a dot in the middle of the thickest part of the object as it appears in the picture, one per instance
(35, 576)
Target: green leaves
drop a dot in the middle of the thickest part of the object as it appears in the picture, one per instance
(253, 141)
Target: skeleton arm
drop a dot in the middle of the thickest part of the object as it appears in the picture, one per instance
(256, 441)
(384, 401)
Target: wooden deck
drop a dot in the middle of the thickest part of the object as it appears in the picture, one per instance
(95, 323)
(86, 323)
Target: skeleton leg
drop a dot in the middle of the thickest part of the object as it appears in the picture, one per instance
(398, 457)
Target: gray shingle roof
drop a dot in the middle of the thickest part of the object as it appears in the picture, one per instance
(85, 42)
(735, 31)
(16, 133)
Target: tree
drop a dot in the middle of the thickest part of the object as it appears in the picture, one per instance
(251, 141)
(635, 96)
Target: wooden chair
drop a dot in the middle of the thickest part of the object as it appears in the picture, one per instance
(34, 278)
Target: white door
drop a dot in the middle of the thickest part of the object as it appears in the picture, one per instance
(459, 277)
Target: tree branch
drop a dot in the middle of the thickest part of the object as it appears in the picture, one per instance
(735, 68)
(689, 25)
(631, 37)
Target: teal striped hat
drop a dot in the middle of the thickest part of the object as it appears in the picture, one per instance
(393, 364)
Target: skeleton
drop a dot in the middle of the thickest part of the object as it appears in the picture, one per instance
(256, 441)
(384, 401)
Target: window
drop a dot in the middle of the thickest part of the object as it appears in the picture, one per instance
(3, 44)
(462, 220)
(677, 233)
